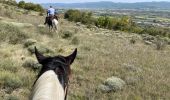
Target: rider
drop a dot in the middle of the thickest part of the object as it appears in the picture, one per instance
(50, 13)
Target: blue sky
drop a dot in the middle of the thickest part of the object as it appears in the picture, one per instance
(73, 1)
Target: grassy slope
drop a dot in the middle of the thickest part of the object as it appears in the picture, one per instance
(101, 54)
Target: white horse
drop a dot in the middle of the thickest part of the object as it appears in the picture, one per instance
(52, 81)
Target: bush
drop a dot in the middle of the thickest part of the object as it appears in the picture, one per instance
(77, 16)
(106, 22)
(29, 42)
(133, 41)
(112, 84)
(12, 97)
(124, 23)
(86, 18)
(154, 31)
(9, 2)
(30, 6)
(10, 81)
(75, 41)
(160, 43)
(73, 15)
(11, 34)
(30, 63)
(21, 4)
(42, 49)
(8, 65)
(66, 34)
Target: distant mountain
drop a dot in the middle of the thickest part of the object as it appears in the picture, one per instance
(112, 5)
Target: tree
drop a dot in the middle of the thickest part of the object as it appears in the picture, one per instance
(21, 4)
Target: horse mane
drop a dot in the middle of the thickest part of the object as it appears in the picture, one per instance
(48, 87)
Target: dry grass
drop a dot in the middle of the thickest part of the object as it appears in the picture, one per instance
(101, 54)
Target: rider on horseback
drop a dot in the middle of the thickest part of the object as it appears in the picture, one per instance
(51, 13)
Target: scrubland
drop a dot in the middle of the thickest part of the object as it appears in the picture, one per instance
(102, 54)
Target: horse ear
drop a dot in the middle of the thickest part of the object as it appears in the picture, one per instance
(71, 57)
(39, 56)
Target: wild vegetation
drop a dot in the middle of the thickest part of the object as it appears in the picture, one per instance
(24, 5)
(77, 16)
(9, 2)
(139, 63)
(124, 23)
(30, 6)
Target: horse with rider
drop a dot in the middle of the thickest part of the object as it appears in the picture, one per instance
(52, 17)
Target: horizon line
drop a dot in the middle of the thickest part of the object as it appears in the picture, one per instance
(95, 2)
(106, 1)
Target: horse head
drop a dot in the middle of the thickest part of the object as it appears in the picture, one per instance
(59, 64)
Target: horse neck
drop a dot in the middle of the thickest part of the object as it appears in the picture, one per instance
(48, 87)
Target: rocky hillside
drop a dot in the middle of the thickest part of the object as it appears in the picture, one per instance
(110, 64)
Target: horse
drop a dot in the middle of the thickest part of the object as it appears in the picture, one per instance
(52, 22)
(53, 79)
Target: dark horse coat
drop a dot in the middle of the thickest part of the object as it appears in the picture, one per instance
(49, 21)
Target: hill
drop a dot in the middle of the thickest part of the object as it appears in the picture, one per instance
(112, 5)
(102, 54)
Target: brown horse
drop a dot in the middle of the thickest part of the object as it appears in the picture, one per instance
(53, 79)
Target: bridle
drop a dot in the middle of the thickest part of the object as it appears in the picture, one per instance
(63, 78)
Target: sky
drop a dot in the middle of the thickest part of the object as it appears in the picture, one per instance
(78, 1)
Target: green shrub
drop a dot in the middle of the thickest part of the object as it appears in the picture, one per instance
(29, 42)
(100, 22)
(86, 18)
(30, 63)
(77, 16)
(135, 29)
(160, 43)
(42, 48)
(133, 41)
(11, 34)
(75, 41)
(66, 34)
(31, 6)
(106, 22)
(8, 65)
(154, 31)
(73, 15)
(9, 2)
(10, 81)
(11, 97)
(124, 23)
